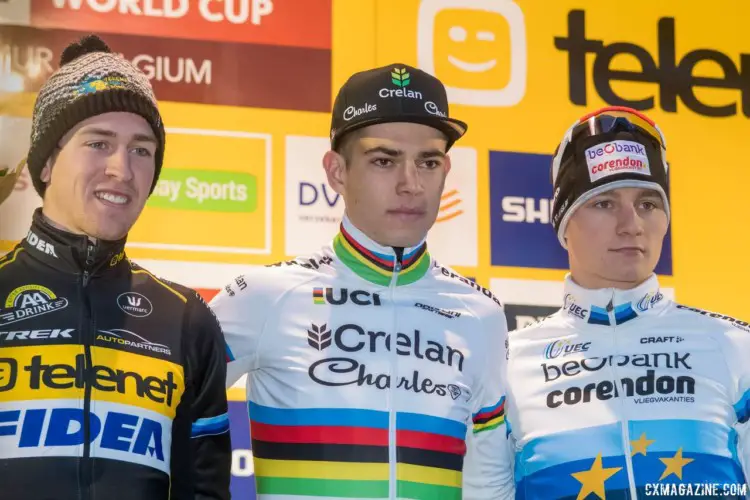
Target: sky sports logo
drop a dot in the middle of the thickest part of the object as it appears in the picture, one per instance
(520, 205)
(616, 157)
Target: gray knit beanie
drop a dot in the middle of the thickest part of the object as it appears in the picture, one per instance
(91, 81)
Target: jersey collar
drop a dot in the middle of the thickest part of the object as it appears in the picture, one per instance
(612, 306)
(71, 253)
(377, 263)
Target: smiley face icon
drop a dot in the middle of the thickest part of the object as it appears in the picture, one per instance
(476, 47)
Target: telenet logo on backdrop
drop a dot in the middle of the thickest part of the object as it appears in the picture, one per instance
(476, 47)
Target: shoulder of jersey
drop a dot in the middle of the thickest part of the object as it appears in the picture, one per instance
(556, 320)
(712, 320)
(458, 284)
(280, 276)
(186, 292)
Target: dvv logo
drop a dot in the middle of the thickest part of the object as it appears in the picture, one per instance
(311, 194)
(341, 296)
(521, 234)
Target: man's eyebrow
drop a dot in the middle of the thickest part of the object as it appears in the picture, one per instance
(431, 153)
(103, 132)
(384, 150)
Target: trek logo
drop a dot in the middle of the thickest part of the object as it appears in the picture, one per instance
(65, 427)
(564, 348)
(135, 304)
(130, 339)
(343, 295)
(674, 78)
(56, 333)
(30, 301)
(36, 242)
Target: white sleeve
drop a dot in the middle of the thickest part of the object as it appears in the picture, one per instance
(488, 464)
(241, 310)
(738, 354)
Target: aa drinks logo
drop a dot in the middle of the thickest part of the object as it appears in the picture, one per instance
(521, 206)
(674, 78)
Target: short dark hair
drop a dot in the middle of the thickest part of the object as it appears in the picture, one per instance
(344, 147)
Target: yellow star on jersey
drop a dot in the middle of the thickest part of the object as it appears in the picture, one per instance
(674, 465)
(640, 445)
(592, 480)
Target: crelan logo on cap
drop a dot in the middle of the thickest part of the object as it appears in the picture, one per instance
(98, 84)
(400, 77)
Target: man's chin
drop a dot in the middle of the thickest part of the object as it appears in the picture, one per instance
(109, 231)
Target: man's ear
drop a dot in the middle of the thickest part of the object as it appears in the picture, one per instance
(46, 174)
(335, 166)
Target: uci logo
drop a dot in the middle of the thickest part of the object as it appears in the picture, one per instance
(342, 296)
(135, 304)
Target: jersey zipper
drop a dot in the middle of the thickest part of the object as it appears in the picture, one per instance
(392, 373)
(621, 399)
(86, 334)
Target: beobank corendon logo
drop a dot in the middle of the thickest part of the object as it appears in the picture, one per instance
(270, 22)
(616, 157)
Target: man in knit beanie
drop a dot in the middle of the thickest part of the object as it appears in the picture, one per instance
(112, 380)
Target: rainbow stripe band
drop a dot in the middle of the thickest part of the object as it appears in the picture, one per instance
(490, 417)
(344, 453)
(379, 268)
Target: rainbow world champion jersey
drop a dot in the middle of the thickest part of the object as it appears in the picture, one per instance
(625, 394)
(369, 376)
